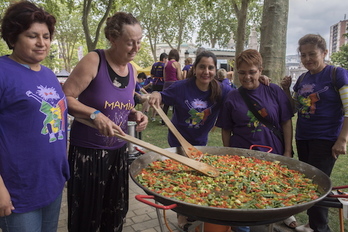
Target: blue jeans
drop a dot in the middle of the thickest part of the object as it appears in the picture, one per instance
(41, 220)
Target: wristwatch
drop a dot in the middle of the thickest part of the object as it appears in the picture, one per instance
(94, 114)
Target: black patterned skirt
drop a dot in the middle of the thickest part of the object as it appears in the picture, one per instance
(98, 189)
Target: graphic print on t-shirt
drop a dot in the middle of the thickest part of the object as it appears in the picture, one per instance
(198, 112)
(53, 107)
(254, 122)
(308, 99)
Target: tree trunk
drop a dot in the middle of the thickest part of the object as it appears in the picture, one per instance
(242, 19)
(273, 38)
(91, 44)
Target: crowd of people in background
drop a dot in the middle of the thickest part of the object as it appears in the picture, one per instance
(101, 94)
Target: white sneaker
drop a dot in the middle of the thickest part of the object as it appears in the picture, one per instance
(153, 119)
(304, 228)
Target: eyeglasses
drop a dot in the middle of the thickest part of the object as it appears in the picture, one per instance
(250, 73)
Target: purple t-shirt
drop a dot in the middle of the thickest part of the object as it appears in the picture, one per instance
(157, 72)
(112, 101)
(227, 83)
(320, 107)
(187, 67)
(138, 87)
(194, 114)
(148, 81)
(271, 102)
(33, 135)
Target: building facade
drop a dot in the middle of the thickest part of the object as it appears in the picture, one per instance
(337, 38)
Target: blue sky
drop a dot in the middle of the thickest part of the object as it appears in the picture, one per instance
(313, 16)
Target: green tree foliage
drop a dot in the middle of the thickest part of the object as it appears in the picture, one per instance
(211, 32)
(241, 11)
(94, 15)
(3, 46)
(3, 6)
(69, 37)
(340, 58)
(52, 61)
(4, 49)
(179, 21)
(143, 58)
(165, 21)
(150, 13)
(172, 22)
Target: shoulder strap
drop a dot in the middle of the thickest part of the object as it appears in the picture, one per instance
(98, 52)
(333, 78)
(261, 119)
(302, 76)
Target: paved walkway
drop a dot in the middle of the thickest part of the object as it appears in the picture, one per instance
(143, 218)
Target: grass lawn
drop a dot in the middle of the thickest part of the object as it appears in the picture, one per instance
(156, 134)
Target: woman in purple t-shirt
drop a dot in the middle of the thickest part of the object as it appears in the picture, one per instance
(240, 128)
(322, 125)
(187, 67)
(33, 119)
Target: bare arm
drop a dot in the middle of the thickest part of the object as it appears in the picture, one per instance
(226, 135)
(155, 98)
(148, 86)
(339, 148)
(265, 80)
(178, 70)
(285, 84)
(6, 206)
(78, 81)
(287, 130)
(184, 74)
(143, 90)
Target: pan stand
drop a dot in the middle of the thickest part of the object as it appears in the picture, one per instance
(191, 228)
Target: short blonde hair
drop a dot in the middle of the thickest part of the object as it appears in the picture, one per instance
(221, 74)
(188, 60)
(251, 57)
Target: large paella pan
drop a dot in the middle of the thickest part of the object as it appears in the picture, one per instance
(237, 216)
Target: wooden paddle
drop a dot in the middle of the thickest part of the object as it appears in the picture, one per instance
(188, 147)
(196, 165)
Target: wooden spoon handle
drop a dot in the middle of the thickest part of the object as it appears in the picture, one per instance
(198, 166)
(184, 143)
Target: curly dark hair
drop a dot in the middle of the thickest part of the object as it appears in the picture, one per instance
(115, 23)
(314, 39)
(20, 16)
